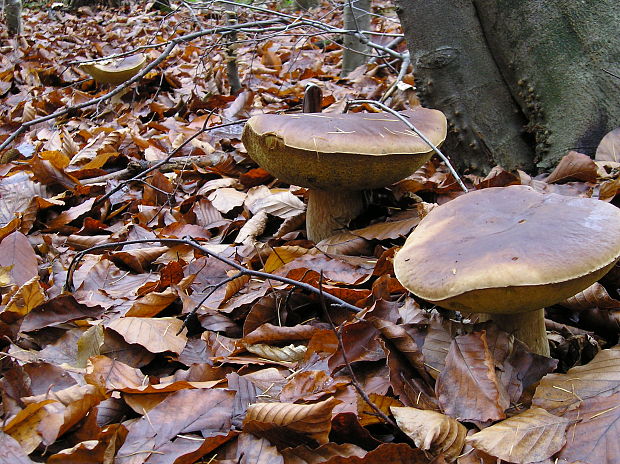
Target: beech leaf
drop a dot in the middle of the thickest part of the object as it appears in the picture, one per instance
(531, 436)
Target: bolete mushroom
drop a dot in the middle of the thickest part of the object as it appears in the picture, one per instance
(115, 72)
(509, 252)
(338, 155)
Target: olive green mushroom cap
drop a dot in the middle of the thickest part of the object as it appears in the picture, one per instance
(351, 151)
(509, 249)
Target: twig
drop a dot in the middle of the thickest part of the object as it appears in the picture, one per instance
(354, 380)
(414, 129)
(172, 44)
(68, 287)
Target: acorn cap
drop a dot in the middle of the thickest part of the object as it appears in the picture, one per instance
(509, 250)
(351, 151)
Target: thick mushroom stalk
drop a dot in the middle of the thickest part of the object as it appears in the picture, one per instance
(329, 212)
(337, 156)
(508, 252)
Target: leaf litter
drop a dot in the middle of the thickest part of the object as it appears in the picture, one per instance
(160, 352)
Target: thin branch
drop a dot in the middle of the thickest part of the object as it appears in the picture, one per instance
(414, 129)
(68, 287)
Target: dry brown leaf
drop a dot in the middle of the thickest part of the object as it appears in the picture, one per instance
(304, 385)
(593, 434)
(282, 255)
(111, 374)
(16, 192)
(367, 415)
(281, 204)
(235, 285)
(23, 427)
(311, 420)
(204, 410)
(70, 406)
(322, 454)
(432, 431)
(28, 296)
(595, 296)
(558, 393)
(609, 147)
(226, 199)
(254, 227)
(68, 146)
(71, 214)
(89, 345)
(468, 388)
(255, 450)
(609, 189)
(104, 142)
(16, 251)
(138, 259)
(157, 335)
(574, 167)
(388, 230)
(531, 436)
(12, 452)
(152, 303)
(289, 353)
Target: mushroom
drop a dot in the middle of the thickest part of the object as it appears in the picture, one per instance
(115, 72)
(338, 155)
(509, 252)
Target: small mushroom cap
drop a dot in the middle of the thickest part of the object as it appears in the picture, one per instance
(115, 72)
(509, 250)
(351, 151)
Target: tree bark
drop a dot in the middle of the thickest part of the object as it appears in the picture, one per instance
(521, 82)
(13, 17)
(357, 18)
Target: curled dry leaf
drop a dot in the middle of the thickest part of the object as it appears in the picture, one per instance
(235, 285)
(532, 436)
(432, 431)
(595, 296)
(254, 227)
(28, 296)
(609, 148)
(311, 420)
(289, 353)
(574, 167)
(138, 259)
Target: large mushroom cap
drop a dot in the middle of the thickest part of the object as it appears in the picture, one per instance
(509, 249)
(351, 151)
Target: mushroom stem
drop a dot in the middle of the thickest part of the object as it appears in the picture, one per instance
(329, 212)
(528, 327)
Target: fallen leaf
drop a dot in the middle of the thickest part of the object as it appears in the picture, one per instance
(432, 431)
(531, 436)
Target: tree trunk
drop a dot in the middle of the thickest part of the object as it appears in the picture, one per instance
(13, 17)
(357, 18)
(521, 82)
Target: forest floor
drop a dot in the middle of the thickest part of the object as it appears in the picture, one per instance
(102, 259)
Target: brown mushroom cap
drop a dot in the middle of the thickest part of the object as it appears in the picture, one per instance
(351, 151)
(509, 249)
